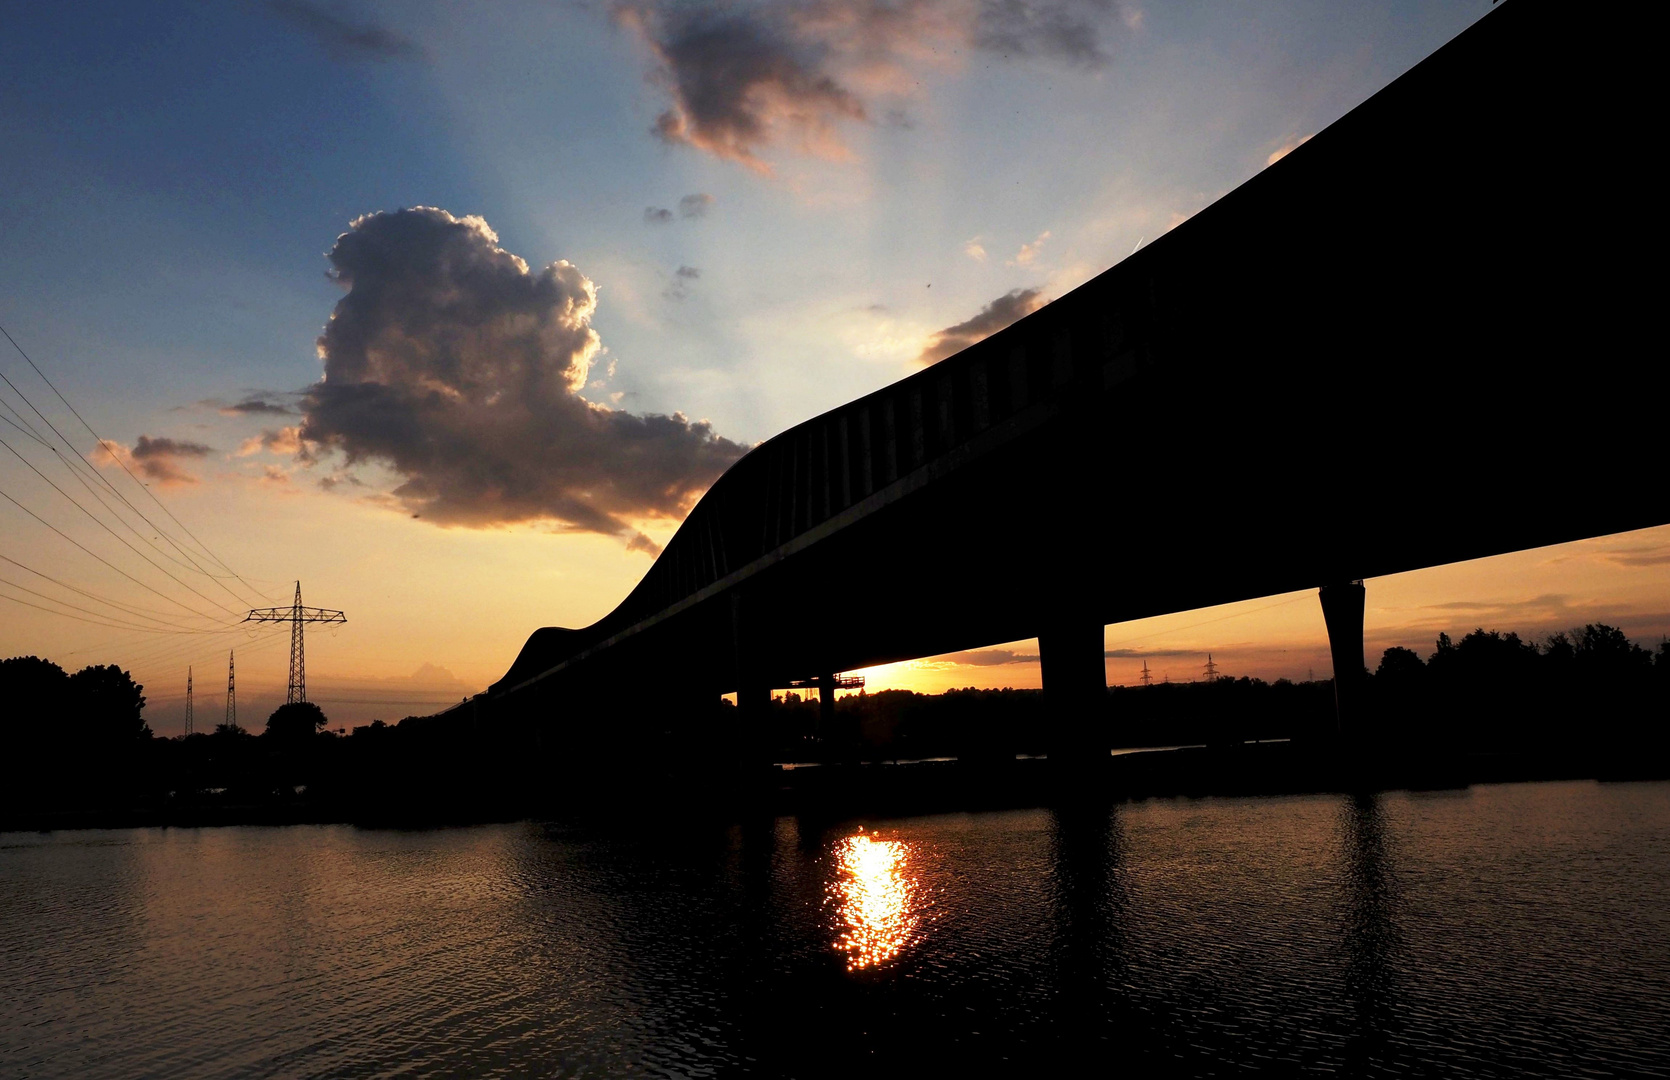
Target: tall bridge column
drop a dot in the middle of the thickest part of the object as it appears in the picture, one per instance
(753, 706)
(1075, 691)
(826, 706)
(1342, 610)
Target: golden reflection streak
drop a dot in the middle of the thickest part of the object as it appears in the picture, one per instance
(876, 894)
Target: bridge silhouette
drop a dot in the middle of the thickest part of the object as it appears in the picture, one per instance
(1421, 337)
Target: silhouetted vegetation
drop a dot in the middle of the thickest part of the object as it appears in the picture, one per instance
(1490, 706)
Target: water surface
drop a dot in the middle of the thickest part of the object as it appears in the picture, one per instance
(1502, 931)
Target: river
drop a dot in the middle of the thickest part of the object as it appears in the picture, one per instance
(1503, 930)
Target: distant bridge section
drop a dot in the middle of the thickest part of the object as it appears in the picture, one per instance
(1424, 336)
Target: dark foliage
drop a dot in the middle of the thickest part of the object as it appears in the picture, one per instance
(296, 722)
(1586, 702)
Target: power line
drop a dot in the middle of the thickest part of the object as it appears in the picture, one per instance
(204, 547)
(100, 614)
(29, 429)
(99, 557)
(131, 609)
(78, 618)
(94, 518)
(148, 541)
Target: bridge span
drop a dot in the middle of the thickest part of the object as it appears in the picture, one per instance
(1424, 336)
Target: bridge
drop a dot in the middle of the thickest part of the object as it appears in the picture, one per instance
(1421, 337)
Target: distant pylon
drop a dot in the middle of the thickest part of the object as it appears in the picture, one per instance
(188, 699)
(1147, 676)
(296, 615)
(231, 689)
(1211, 669)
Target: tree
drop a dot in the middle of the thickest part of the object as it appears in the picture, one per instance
(1399, 665)
(30, 690)
(296, 721)
(107, 706)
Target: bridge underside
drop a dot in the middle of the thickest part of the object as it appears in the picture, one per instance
(1380, 354)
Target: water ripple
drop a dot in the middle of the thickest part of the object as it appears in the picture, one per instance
(1505, 931)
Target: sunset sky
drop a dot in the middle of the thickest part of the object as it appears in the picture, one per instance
(685, 228)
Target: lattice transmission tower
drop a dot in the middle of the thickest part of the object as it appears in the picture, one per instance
(297, 616)
(231, 690)
(188, 699)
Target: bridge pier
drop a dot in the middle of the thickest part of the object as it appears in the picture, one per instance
(1342, 611)
(826, 706)
(753, 707)
(1075, 692)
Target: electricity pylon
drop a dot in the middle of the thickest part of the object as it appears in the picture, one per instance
(231, 690)
(1147, 676)
(296, 616)
(188, 699)
(1211, 669)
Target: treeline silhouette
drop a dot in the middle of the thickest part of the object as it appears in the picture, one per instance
(1491, 705)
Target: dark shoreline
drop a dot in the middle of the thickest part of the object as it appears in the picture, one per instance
(893, 789)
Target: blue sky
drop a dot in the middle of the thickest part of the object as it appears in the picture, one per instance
(176, 173)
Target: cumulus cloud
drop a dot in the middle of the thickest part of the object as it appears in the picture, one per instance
(344, 38)
(695, 206)
(1012, 305)
(158, 459)
(451, 362)
(657, 215)
(743, 77)
(975, 250)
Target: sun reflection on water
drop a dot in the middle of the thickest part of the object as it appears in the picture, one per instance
(876, 896)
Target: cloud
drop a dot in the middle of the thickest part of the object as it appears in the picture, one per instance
(285, 440)
(257, 406)
(1149, 654)
(1029, 252)
(975, 250)
(695, 206)
(989, 658)
(1012, 305)
(1640, 555)
(1285, 149)
(255, 403)
(157, 459)
(345, 39)
(689, 208)
(1063, 31)
(452, 363)
(741, 78)
(337, 479)
(679, 287)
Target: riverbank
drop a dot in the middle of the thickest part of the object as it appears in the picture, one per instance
(826, 791)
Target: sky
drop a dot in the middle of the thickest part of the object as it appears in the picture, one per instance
(451, 312)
